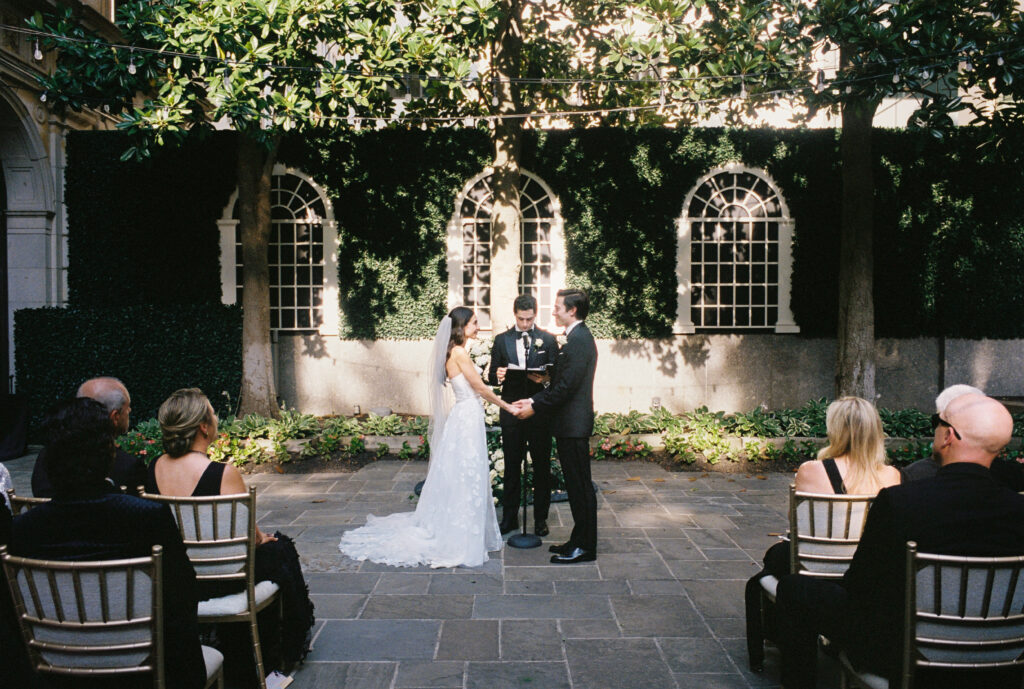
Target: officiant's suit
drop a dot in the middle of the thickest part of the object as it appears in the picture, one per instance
(568, 402)
(537, 349)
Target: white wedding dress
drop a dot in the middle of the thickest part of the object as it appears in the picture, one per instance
(454, 523)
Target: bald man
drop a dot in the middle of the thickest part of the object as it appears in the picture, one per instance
(127, 470)
(962, 510)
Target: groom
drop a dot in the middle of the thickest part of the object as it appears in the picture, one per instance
(523, 346)
(569, 401)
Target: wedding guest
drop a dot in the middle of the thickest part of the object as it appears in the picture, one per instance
(853, 463)
(85, 521)
(189, 426)
(1008, 473)
(959, 511)
(126, 470)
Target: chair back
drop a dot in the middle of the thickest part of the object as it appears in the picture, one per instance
(90, 619)
(22, 503)
(963, 612)
(825, 530)
(219, 532)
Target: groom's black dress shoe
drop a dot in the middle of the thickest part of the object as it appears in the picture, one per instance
(560, 549)
(541, 528)
(508, 525)
(573, 556)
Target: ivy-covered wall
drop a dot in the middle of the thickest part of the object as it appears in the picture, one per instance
(949, 239)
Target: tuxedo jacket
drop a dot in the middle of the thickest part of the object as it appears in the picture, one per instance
(569, 400)
(504, 352)
(113, 526)
(962, 510)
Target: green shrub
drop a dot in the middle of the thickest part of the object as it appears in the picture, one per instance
(153, 350)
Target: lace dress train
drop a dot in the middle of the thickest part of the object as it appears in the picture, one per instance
(454, 522)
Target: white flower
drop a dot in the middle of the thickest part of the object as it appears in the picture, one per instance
(538, 343)
(561, 340)
(499, 465)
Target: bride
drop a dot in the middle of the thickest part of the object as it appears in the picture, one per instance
(454, 522)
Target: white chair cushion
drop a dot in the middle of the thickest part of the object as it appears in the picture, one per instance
(770, 585)
(213, 659)
(864, 678)
(236, 603)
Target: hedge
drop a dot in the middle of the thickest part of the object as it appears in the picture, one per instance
(949, 238)
(154, 350)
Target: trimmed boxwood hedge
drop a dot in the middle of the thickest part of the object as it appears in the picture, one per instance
(154, 350)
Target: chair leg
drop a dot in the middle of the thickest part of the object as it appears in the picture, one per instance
(257, 651)
(755, 601)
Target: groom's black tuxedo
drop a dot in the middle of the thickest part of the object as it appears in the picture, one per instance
(516, 434)
(569, 404)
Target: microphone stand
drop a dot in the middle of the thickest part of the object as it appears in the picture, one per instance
(523, 539)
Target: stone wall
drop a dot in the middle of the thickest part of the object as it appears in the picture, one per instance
(727, 372)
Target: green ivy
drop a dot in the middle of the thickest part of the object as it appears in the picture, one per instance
(948, 239)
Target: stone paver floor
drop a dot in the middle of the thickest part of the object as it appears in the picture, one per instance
(662, 608)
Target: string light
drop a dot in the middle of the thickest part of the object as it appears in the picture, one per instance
(968, 66)
(131, 63)
(37, 54)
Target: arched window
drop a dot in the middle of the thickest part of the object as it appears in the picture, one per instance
(542, 251)
(302, 255)
(734, 255)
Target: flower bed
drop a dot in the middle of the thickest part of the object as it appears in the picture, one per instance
(698, 440)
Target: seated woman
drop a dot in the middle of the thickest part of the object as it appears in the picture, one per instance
(189, 425)
(853, 463)
(85, 521)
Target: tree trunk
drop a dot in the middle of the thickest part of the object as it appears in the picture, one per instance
(506, 232)
(255, 166)
(855, 361)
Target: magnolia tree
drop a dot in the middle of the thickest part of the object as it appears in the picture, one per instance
(949, 55)
(258, 68)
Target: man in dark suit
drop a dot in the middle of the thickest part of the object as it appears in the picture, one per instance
(127, 470)
(569, 402)
(962, 510)
(523, 346)
(85, 521)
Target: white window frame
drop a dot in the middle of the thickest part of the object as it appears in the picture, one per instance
(784, 322)
(454, 245)
(329, 317)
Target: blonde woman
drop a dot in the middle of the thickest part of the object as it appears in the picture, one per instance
(853, 462)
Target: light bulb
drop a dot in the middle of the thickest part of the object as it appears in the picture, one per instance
(131, 65)
(896, 78)
(42, 96)
(38, 54)
(1000, 61)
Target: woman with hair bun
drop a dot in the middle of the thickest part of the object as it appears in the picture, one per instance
(189, 426)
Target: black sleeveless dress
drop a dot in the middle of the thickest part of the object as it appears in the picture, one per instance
(277, 561)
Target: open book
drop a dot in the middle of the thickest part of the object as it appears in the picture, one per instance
(518, 373)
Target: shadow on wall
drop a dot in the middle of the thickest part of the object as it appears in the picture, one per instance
(314, 347)
(660, 351)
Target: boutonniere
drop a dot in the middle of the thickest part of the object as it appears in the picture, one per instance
(537, 343)
(561, 340)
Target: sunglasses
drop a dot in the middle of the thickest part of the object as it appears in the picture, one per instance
(939, 421)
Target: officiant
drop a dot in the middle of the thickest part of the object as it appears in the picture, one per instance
(520, 364)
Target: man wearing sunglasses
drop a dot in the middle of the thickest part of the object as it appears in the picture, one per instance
(961, 510)
(1009, 474)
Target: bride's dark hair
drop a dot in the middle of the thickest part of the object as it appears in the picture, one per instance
(460, 316)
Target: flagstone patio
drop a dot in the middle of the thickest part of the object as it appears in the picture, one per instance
(661, 608)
